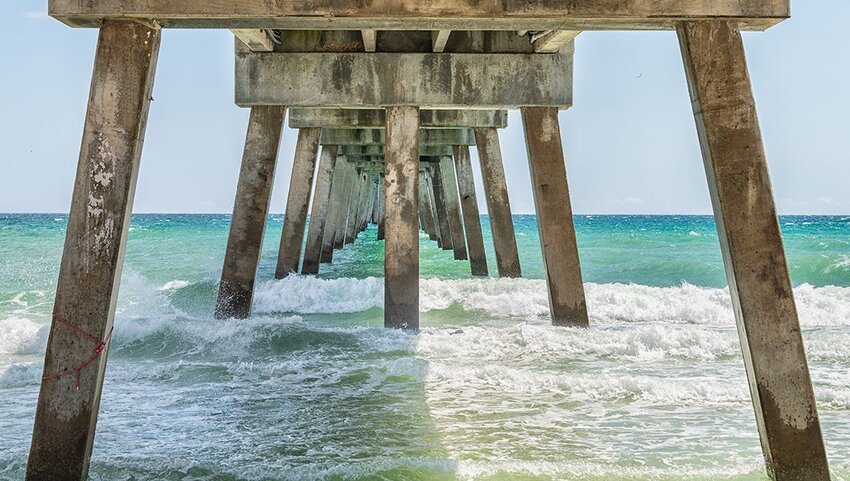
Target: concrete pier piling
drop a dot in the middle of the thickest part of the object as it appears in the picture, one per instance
(401, 247)
(381, 206)
(248, 224)
(471, 217)
(93, 256)
(444, 240)
(425, 206)
(297, 202)
(449, 180)
(319, 211)
(436, 234)
(498, 203)
(347, 196)
(332, 224)
(751, 243)
(554, 216)
(354, 207)
(286, 55)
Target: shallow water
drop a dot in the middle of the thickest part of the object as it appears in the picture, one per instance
(312, 387)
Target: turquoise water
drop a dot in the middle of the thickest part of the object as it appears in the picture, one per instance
(312, 388)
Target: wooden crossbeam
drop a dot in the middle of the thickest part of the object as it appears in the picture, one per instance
(376, 118)
(430, 81)
(430, 15)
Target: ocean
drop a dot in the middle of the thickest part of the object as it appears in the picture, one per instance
(313, 388)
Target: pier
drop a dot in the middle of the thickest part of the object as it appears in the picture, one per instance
(389, 98)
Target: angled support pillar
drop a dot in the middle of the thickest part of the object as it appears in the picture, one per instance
(445, 238)
(751, 242)
(401, 249)
(332, 224)
(381, 206)
(498, 204)
(248, 224)
(471, 217)
(432, 204)
(347, 196)
(319, 211)
(297, 202)
(427, 212)
(93, 256)
(447, 172)
(354, 208)
(554, 216)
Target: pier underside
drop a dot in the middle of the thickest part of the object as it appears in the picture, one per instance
(389, 98)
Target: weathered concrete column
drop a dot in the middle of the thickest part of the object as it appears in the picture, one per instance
(401, 249)
(248, 223)
(751, 243)
(354, 206)
(498, 204)
(319, 210)
(93, 257)
(332, 224)
(432, 204)
(425, 206)
(381, 206)
(554, 216)
(471, 217)
(297, 202)
(447, 172)
(445, 237)
(347, 197)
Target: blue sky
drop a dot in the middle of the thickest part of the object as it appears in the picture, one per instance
(630, 141)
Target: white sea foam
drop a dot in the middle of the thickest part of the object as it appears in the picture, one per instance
(531, 342)
(175, 284)
(21, 336)
(527, 299)
(309, 295)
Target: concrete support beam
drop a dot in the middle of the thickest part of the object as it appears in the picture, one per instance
(378, 150)
(319, 211)
(406, 15)
(498, 203)
(554, 40)
(370, 38)
(401, 248)
(751, 242)
(554, 217)
(332, 224)
(427, 138)
(295, 217)
(256, 39)
(444, 241)
(375, 118)
(439, 39)
(433, 80)
(248, 224)
(93, 256)
(447, 172)
(471, 217)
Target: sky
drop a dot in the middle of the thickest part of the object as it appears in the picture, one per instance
(630, 141)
